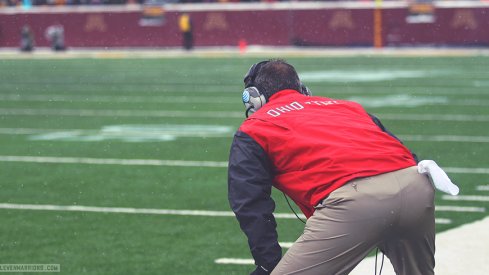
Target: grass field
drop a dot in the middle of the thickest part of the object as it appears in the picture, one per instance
(155, 134)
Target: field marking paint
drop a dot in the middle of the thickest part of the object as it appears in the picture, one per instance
(79, 208)
(459, 170)
(118, 113)
(149, 162)
(234, 261)
(214, 114)
(482, 188)
(210, 134)
(480, 83)
(442, 221)
(31, 131)
(184, 163)
(445, 138)
(127, 210)
(363, 97)
(448, 208)
(411, 100)
(139, 133)
(342, 76)
(458, 251)
(121, 99)
(399, 100)
(466, 198)
(285, 244)
(461, 250)
(434, 117)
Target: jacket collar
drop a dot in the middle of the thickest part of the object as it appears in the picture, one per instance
(283, 93)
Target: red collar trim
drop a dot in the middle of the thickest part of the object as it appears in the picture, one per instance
(283, 93)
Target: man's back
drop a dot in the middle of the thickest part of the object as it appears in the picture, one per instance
(317, 144)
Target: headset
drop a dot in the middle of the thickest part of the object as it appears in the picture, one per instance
(253, 98)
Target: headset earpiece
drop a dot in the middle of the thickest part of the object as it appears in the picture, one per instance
(253, 99)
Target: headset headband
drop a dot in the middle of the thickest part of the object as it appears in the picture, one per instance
(249, 79)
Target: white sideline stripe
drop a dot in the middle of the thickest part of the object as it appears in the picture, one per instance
(436, 138)
(30, 131)
(79, 208)
(459, 170)
(153, 162)
(126, 210)
(216, 114)
(482, 188)
(444, 138)
(465, 198)
(285, 244)
(451, 117)
(165, 99)
(448, 208)
(461, 250)
(235, 261)
(119, 113)
(122, 99)
(443, 221)
(184, 163)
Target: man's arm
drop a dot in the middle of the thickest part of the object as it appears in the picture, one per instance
(249, 192)
(376, 120)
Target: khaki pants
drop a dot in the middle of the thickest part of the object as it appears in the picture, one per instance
(392, 211)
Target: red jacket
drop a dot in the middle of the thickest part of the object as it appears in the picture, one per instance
(307, 147)
(318, 144)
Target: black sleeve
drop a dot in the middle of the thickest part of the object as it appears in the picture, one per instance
(376, 120)
(250, 178)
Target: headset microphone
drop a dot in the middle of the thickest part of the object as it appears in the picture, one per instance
(248, 111)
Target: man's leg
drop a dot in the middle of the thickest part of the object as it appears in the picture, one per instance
(345, 228)
(412, 251)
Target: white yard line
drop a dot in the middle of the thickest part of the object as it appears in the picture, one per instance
(170, 99)
(122, 99)
(152, 132)
(150, 162)
(458, 251)
(79, 208)
(461, 250)
(31, 131)
(157, 162)
(434, 117)
(482, 188)
(435, 138)
(444, 138)
(459, 170)
(442, 221)
(126, 210)
(466, 209)
(118, 113)
(465, 198)
(235, 261)
(214, 114)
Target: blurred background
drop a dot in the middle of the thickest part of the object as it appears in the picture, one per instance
(161, 23)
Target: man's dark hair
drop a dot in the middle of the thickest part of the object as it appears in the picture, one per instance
(277, 75)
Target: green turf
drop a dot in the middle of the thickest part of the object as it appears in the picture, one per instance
(97, 243)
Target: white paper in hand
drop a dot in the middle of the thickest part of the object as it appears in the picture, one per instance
(438, 177)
